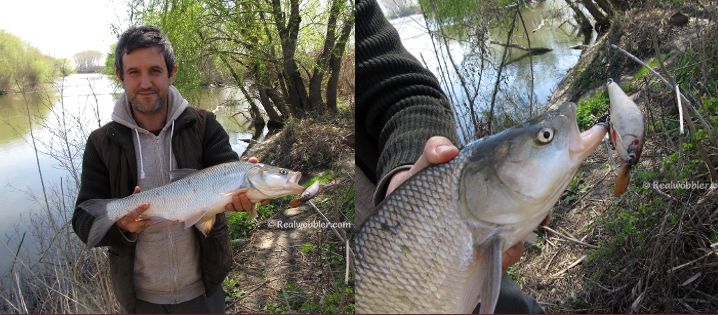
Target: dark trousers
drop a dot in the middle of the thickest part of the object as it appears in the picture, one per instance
(213, 304)
(513, 301)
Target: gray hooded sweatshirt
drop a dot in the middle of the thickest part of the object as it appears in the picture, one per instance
(166, 267)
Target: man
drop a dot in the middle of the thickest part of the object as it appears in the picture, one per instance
(153, 131)
(404, 123)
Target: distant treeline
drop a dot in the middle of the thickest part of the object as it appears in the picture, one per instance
(24, 66)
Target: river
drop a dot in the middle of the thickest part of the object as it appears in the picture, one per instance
(549, 25)
(87, 101)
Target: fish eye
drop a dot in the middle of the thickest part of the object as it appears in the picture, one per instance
(283, 171)
(545, 135)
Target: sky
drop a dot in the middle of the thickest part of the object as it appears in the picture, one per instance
(63, 28)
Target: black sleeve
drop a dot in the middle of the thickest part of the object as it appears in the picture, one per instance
(94, 184)
(216, 147)
(400, 104)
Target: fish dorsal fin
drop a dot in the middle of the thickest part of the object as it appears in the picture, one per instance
(195, 218)
(180, 173)
(490, 264)
(205, 224)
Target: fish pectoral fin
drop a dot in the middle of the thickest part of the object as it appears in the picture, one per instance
(490, 264)
(180, 173)
(253, 214)
(205, 224)
(195, 218)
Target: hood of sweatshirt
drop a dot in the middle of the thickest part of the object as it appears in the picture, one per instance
(122, 112)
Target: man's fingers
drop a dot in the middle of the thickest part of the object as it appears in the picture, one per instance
(132, 222)
(241, 201)
(253, 160)
(439, 150)
(137, 190)
(436, 151)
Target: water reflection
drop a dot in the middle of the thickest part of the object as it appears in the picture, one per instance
(546, 25)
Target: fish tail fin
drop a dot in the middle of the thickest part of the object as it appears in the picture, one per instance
(98, 209)
(491, 282)
(253, 214)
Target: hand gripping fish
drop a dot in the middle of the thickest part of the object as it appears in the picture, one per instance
(195, 197)
(434, 245)
(627, 133)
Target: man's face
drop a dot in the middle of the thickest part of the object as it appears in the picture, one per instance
(146, 79)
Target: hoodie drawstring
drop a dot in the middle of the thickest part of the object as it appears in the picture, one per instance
(171, 134)
(142, 164)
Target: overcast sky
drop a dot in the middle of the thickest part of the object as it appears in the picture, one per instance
(63, 28)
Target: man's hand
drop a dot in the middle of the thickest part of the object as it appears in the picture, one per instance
(132, 221)
(440, 150)
(240, 202)
(436, 151)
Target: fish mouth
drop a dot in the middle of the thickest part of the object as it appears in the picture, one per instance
(293, 183)
(581, 144)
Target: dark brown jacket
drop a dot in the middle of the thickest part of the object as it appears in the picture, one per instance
(109, 170)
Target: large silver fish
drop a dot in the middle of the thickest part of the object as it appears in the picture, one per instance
(196, 198)
(435, 244)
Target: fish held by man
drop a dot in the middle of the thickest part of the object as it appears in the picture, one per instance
(627, 133)
(195, 197)
(435, 244)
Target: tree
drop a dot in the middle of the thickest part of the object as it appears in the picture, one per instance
(22, 64)
(64, 65)
(278, 52)
(88, 61)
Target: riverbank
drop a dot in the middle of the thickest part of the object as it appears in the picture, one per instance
(290, 260)
(654, 250)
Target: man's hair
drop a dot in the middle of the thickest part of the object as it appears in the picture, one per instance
(142, 37)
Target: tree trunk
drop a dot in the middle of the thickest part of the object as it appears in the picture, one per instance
(253, 109)
(288, 34)
(278, 101)
(602, 22)
(274, 120)
(335, 63)
(606, 7)
(315, 83)
(582, 19)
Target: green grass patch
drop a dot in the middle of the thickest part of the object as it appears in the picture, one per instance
(589, 109)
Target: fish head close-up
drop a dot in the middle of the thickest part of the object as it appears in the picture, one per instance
(272, 182)
(517, 175)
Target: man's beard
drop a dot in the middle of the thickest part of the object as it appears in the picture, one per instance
(154, 108)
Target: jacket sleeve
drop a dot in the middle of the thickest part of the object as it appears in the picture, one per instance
(400, 104)
(94, 184)
(216, 147)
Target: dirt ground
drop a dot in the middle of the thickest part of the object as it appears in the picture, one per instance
(306, 255)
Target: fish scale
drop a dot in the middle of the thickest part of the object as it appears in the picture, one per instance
(415, 212)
